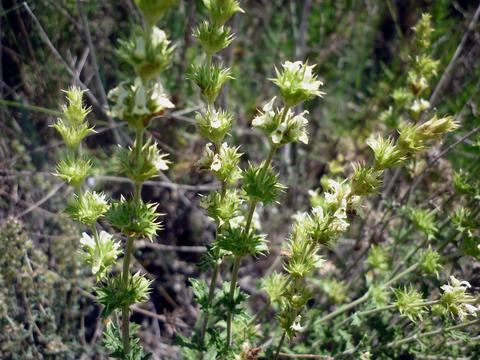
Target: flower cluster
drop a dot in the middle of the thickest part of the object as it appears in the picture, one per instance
(98, 250)
(455, 300)
(281, 126)
(148, 52)
(137, 103)
(72, 126)
(297, 82)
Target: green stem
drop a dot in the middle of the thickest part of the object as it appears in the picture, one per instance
(432, 333)
(233, 285)
(213, 281)
(280, 344)
(137, 190)
(126, 309)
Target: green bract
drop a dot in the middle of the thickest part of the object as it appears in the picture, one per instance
(241, 243)
(223, 163)
(134, 218)
(430, 262)
(407, 301)
(87, 207)
(387, 154)
(73, 171)
(113, 295)
(137, 103)
(213, 38)
(222, 10)
(365, 180)
(153, 10)
(214, 124)
(223, 209)
(72, 126)
(378, 258)
(297, 82)
(455, 299)
(100, 252)
(148, 52)
(148, 164)
(260, 185)
(210, 78)
(281, 126)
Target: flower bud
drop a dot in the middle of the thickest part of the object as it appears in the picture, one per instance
(87, 208)
(154, 10)
(149, 52)
(365, 180)
(73, 171)
(210, 78)
(213, 38)
(436, 127)
(222, 10)
(387, 154)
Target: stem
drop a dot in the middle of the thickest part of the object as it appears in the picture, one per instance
(137, 190)
(137, 187)
(432, 333)
(125, 309)
(280, 344)
(233, 285)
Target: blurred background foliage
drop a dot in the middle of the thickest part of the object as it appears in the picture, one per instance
(361, 48)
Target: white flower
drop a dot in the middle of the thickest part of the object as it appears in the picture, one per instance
(87, 241)
(296, 326)
(160, 97)
(158, 36)
(420, 105)
(140, 107)
(216, 163)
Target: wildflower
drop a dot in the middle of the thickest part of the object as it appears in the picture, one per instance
(455, 299)
(224, 163)
(72, 126)
(365, 180)
(297, 82)
(134, 218)
(100, 253)
(281, 126)
(137, 103)
(214, 124)
(144, 165)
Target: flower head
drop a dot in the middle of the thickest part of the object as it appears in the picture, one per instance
(99, 253)
(297, 82)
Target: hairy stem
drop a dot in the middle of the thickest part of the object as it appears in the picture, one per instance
(137, 189)
(233, 285)
(126, 309)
